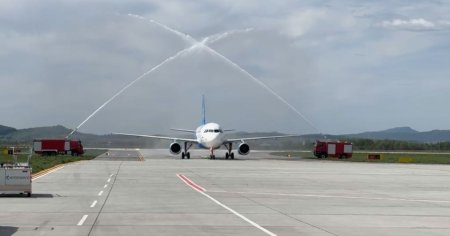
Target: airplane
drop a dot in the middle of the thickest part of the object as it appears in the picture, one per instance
(208, 136)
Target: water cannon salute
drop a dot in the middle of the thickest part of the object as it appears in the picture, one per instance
(209, 135)
(209, 117)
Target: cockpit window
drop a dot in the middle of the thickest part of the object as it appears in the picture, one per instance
(213, 131)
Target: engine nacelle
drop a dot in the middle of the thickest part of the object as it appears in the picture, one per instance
(175, 148)
(243, 149)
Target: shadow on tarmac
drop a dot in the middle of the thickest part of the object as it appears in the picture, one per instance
(34, 195)
(8, 230)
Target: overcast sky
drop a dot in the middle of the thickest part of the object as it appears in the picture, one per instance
(347, 66)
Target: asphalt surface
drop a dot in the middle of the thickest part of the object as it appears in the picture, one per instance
(255, 195)
(121, 155)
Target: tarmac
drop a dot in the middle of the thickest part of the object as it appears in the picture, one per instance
(149, 192)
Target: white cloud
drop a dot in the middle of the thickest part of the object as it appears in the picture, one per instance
(418, 24)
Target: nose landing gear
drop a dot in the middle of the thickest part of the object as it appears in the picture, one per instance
(211, 154)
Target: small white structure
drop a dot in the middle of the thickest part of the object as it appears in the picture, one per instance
(16, 178)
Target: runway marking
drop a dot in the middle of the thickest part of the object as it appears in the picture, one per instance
(81, 222)
(46, 172)
(105, 186)
(94, 203)
(191, 183)
(100, 193)
(201, 190)
(337, 196)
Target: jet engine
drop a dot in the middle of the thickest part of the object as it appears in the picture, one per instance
(243, 149)
(175, 148)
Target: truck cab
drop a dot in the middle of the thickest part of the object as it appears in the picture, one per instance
(76, 148)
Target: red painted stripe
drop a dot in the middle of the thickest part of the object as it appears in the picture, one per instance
(191, 183)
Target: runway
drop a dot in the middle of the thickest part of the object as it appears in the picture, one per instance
(254, 195)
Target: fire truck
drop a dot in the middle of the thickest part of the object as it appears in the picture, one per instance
(50, 147)
(326, 148)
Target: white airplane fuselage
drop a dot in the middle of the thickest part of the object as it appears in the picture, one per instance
(210, 136)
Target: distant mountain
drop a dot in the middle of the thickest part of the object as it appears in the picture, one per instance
(405, 134)
(6, 130)
(402, 130)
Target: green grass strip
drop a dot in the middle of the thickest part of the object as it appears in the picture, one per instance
(39, 163)
(397, 157)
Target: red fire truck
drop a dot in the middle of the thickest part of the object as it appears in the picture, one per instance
(325, 148)
(51, 147)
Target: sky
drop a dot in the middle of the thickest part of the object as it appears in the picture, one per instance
(343, 66)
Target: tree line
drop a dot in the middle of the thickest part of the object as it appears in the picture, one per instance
(370, 144)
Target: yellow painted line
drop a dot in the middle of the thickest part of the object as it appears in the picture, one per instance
(51, 169)
(47, 171)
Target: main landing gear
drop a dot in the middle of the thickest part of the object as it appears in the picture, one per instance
(229, 154)
(185, 153)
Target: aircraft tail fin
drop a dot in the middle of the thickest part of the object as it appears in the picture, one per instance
(203, 121)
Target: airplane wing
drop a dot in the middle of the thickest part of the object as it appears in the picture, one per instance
(184, 130)
(232, 140)
(159, 137)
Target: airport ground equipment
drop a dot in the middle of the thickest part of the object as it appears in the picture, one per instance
(51, 147)
(15, 178)
(340, 149)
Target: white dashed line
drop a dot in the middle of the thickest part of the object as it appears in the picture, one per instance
(109, 180)
(105, 186)
(100, 193)
(94, 203)
(81, 222)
